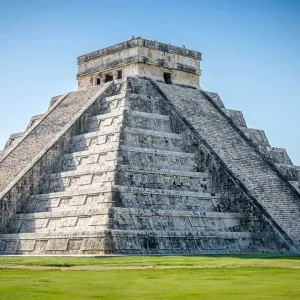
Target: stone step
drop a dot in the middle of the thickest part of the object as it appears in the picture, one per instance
(178, 173)
(138, 197)
(164, 192)
(123, 190)
(62, 214)
(152, 219)
(112, 104)
(92, 151)
(154, 133)
(106, 138)
(89, 176)
(96, 174)
(179, 154)
(143, 212)
(126, 196)
(63, 243)
(132, 113)
(188, 242)
(133, 242)
(172, 213)
(154, 116)
(134, 119)
(66, 221)
(163, 179)
(50, 235)
(132, 137)
(104, 156)
(152, 139)
(129, 233)
(236, 116)
(257, 136)
(116, 97)
(129, 156)
(149, 104)
(93, 134)
(132, 96)
(276, 155)
(96, 168)
(104, 121)
(145, 157)
(123, 218)
(150, 121)
(66, 200)
(186, 233)
(289, 171)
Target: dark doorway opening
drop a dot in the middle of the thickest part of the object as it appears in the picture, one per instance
(109, 78)
(120, 74)
(167, 78)
(98, 81)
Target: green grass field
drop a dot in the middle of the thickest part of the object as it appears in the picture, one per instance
(164, 277)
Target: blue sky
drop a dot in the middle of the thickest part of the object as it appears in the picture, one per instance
(250, 53)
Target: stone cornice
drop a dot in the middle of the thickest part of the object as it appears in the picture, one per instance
(139, 42)
(135, 59)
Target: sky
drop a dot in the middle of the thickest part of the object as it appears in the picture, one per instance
(250, 51)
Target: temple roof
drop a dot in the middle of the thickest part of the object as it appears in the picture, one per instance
(139, 42)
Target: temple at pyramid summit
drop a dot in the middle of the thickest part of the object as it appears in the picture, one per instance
(140, 160)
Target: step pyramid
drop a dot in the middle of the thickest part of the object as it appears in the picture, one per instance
(138, 166)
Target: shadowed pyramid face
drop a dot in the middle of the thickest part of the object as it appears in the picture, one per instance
(138, 167)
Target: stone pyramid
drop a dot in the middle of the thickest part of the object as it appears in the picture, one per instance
(140, 160)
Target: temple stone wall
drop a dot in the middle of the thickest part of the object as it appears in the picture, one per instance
(140, 57)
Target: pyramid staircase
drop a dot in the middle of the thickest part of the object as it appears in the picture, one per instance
(126, 176)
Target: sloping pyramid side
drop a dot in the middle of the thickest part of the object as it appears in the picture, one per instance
(258, 177)
(131, 177)
(257, 137)
(40, 207)
(35, 140)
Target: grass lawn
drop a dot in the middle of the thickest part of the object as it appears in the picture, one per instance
(260, 260)
(234, 277)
